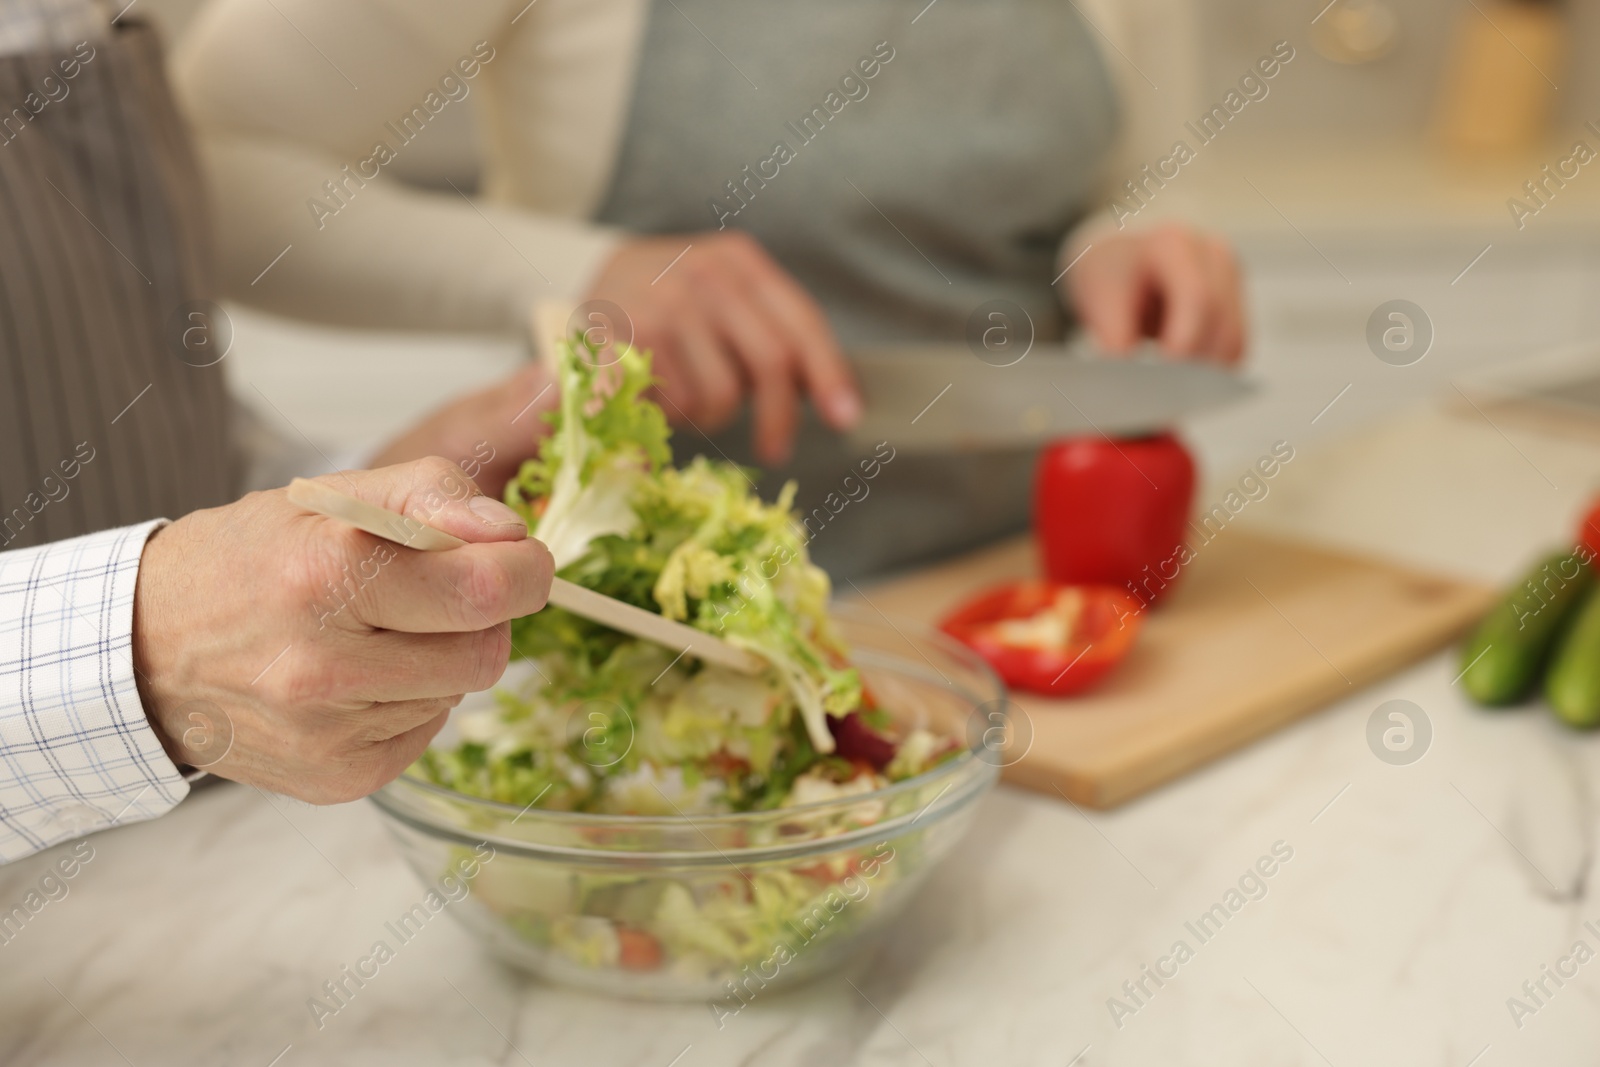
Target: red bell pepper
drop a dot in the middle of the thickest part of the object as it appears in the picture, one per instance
(1589, 532)
(1112, 511)
(1048, 638)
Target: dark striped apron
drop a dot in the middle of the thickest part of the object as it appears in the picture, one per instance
(911, 199)
(112, 406)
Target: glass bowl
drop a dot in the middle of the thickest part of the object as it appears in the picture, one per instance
(715, 907)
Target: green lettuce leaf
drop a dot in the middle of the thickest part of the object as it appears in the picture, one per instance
(607, 439)
(698, 545)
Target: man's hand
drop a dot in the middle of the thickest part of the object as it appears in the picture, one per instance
(725, 321)
(292, 652)
(1172, 283)
(489, 432)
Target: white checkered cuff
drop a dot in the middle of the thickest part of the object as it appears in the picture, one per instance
(76, 752)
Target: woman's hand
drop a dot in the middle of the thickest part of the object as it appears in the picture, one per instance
(1174, 284)
(488, 433)
(726, 322)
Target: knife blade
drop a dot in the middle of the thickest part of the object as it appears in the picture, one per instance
(943, 398)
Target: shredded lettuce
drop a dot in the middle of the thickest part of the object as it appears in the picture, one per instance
(606, 440)
(696, 544)
(606, 723)
(611, 723)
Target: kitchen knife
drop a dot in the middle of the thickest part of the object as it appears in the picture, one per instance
(944, 398)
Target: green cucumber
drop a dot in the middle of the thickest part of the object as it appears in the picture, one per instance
(1573, 685)
(1502, 661)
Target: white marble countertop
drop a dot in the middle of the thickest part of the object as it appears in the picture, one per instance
(1418, 898)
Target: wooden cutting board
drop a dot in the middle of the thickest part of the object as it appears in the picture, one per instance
(1259, 632)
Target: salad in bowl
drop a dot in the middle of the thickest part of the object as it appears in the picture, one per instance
(661, 826)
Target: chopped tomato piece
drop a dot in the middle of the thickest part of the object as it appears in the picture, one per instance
(817, 872)
(725, 764)
(639, 951)
(1049, 638)
(833, 870)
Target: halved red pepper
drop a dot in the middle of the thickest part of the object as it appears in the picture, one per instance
(1589, 532)
(1049, 638)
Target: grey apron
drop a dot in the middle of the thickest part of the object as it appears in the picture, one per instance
(106, 418)
(907, 200)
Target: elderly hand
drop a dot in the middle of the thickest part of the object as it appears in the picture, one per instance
(1172, 283)
(724, 321)
(292, 652)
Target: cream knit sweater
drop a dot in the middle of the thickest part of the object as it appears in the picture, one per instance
(298, 107)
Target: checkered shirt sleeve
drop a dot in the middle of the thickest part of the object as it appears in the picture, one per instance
(76, 752)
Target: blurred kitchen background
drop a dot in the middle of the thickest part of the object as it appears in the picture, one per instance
(1349, 185)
